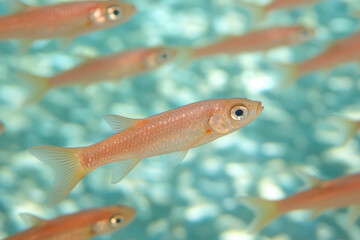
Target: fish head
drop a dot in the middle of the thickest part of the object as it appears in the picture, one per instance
(156, 57)
(301, 34)
(113, 218)
(232, 114)
(110, 13)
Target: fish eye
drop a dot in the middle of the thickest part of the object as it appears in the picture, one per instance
(163, 55)
(239, 112)
(114, 12)
(116, 220)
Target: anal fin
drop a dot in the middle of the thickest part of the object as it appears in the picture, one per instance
(122, 168)
(353, 214)
(31, 219)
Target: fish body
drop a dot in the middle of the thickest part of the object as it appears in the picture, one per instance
(343, 51)
(173, 132)
(115, 66)
(261, 40)
(324, 195)
(63, 20)
(78, 226)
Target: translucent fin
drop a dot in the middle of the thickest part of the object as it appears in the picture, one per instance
(24, 45)
(315, 213)
(175, 158)
(353, 214)
(120, 123)
(37, 86)
(185, 56)
(310, 180)
(122, 168)
(352, 127)
(265, 212)
(17, 6)
(64, 42)
(289, 72)
(31, 220)
(68, 170)
(259, 12)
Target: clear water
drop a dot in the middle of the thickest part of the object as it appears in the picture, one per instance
(198, 198)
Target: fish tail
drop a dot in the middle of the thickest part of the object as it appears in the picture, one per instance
(68, 170)
(38, 86)
(289, 74)
(259, 12)
(265, 212)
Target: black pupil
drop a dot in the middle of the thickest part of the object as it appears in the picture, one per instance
(164, 55)
(239, 112)
(116, 12)
(118, 220)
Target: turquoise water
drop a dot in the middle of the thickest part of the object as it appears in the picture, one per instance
(198, 198)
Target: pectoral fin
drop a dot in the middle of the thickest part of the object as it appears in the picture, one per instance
(120, 123)
(31, 219)
(315, 213)
(175, 158)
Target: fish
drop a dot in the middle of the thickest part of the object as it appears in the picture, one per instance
(261, 11)
(67, 20)
(2, 128)
(260, 40)
(77, 226)
(343, 51)
(173, 132)
(115, 66)
(352, 127)
(322, 195)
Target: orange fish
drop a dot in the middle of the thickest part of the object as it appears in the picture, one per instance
(175, 132)
(116, 66)
(261, 40)
(77, 226)
(61, 20)
(2, 127)
(344, 51)
(261, 11)
(324, 195)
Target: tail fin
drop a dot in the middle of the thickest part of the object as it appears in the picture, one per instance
(68, 170)
(259, 12)
(38, 86)
(265, 212)
(289, 74)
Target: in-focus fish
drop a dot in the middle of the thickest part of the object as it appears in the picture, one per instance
(344, 51)
(175, 132)
(77, 226)
(261, 11)
(324, 195)
(61, 20)
(261, 40)
(116, 66)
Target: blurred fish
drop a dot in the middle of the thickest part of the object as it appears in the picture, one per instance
(116, 66)
(61, 20)
(78, 226)
(261, 11)
(2, 127)
(261, 40)
(344, 51)
(174, 132)
(324, 195)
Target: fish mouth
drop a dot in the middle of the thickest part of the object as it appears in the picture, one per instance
(260, 108)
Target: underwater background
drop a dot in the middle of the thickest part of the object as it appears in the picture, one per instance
(198, 198)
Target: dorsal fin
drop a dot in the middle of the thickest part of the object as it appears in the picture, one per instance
(17, 6)
(31, 219)
(120, 123)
